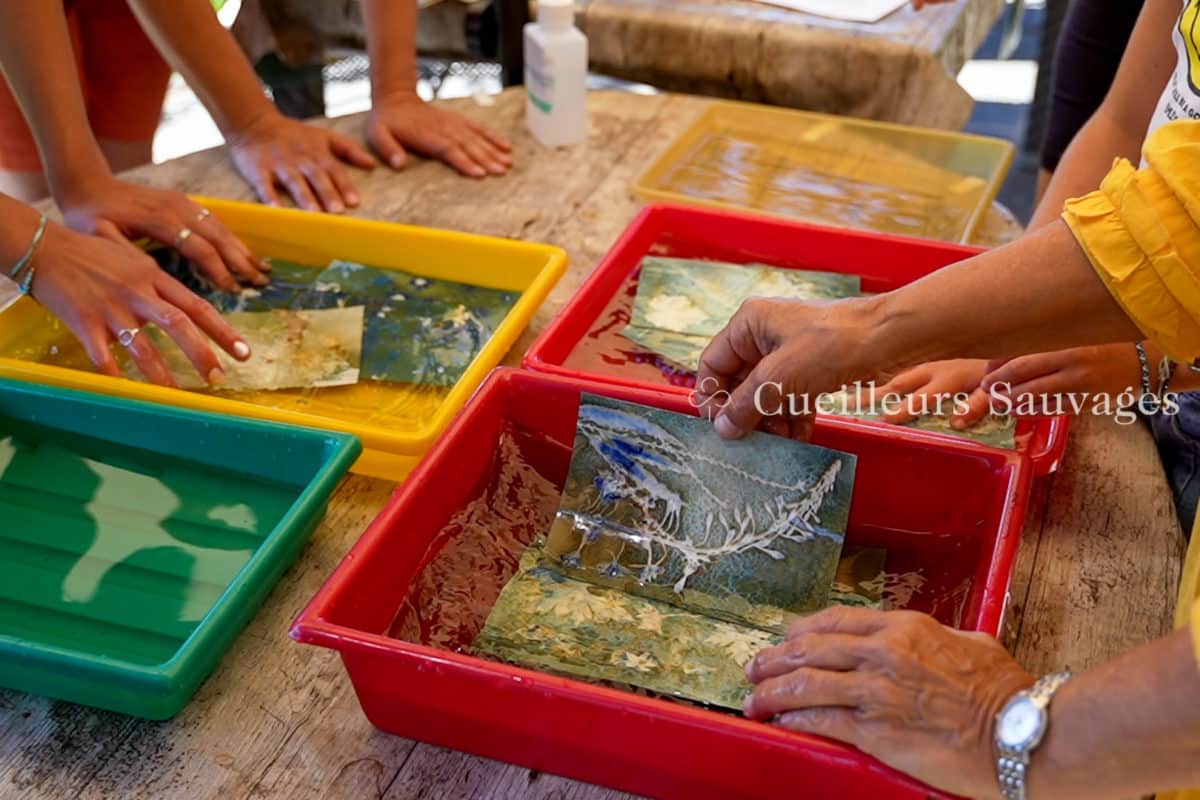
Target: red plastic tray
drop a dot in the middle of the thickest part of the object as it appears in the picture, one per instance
(884, 261)
(910, 495)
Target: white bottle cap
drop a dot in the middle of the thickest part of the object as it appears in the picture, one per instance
(556, 13)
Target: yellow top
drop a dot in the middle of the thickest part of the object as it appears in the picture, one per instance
(1141, 231)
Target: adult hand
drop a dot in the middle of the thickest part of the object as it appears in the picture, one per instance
(776, 356)
(1105, 369)
(305, 160)
(936, 388)
(120, 211)
(100, 287)
(406, 121)
(897, 685)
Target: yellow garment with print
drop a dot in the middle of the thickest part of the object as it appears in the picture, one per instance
(1141, 231)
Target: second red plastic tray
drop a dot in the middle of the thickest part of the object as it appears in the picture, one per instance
(884, 262)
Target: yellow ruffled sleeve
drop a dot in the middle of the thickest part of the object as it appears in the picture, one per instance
(1141, 232)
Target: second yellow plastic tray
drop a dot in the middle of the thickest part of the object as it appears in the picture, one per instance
(834, 170)
(396, 423)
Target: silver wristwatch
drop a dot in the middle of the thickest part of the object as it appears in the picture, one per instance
(1020, 727)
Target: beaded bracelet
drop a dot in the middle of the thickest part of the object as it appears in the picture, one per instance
(26, 284)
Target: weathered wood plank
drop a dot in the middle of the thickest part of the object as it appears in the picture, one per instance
(1106, 570)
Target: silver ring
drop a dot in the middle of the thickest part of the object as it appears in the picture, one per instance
(183, 236)
(126, 336)
(204, 214)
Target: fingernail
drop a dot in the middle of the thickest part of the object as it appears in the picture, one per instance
(336, 207)
(241, 350)
(261, 280)
(216, 377)
(748, 705)
(264, 265)
(352, 199)
(396, 161)
(478, 172)
(726, 429)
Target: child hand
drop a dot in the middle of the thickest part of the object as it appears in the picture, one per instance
(921, 387)
(306, 160)
(406, 121)
(1105, 369)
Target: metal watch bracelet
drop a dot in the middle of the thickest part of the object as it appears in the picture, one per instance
(1012, 766)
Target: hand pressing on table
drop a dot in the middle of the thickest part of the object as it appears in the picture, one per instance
(404, 121)
(305, 161)
(100, 287)
(897, 685)
(120, 211)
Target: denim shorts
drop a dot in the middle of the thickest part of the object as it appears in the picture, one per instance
(1178, 440)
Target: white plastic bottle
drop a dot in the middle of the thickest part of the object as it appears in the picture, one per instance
(556, 75)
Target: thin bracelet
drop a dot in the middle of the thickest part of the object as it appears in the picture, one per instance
(1166, 371)
(33, 246)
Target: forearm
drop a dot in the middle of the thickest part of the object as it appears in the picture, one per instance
(1086, 162)
(35, 55)
(392, 46)
(1126, 728)
(1035, 295)
(191, 38)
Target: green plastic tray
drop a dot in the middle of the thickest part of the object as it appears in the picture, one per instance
(136, 540)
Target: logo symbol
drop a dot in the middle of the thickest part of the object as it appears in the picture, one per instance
(710, 402)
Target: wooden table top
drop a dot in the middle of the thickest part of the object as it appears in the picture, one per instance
(1097, 572)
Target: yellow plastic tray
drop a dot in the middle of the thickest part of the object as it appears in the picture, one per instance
(396, 423)
(833, 170)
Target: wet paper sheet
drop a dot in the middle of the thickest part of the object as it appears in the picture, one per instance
(416, 329)
(571, 627)
(658, 505)
(681, 303)
(291, 350)
(551, 622)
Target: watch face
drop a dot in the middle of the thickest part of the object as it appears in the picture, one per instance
(1019, 723)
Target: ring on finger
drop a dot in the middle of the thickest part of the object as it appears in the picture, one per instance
(126, 336)
(182, 238)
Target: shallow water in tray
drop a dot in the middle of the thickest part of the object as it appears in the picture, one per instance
(118, 552)
(401, 407)
(605, 351)
(471, 559)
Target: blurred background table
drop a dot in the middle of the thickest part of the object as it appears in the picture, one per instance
(1096, 575)
(900, 69)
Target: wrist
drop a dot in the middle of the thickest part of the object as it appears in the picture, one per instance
(252, 125)
(72, 179)
(900, 336)
(1021, 734)
(394, 94)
